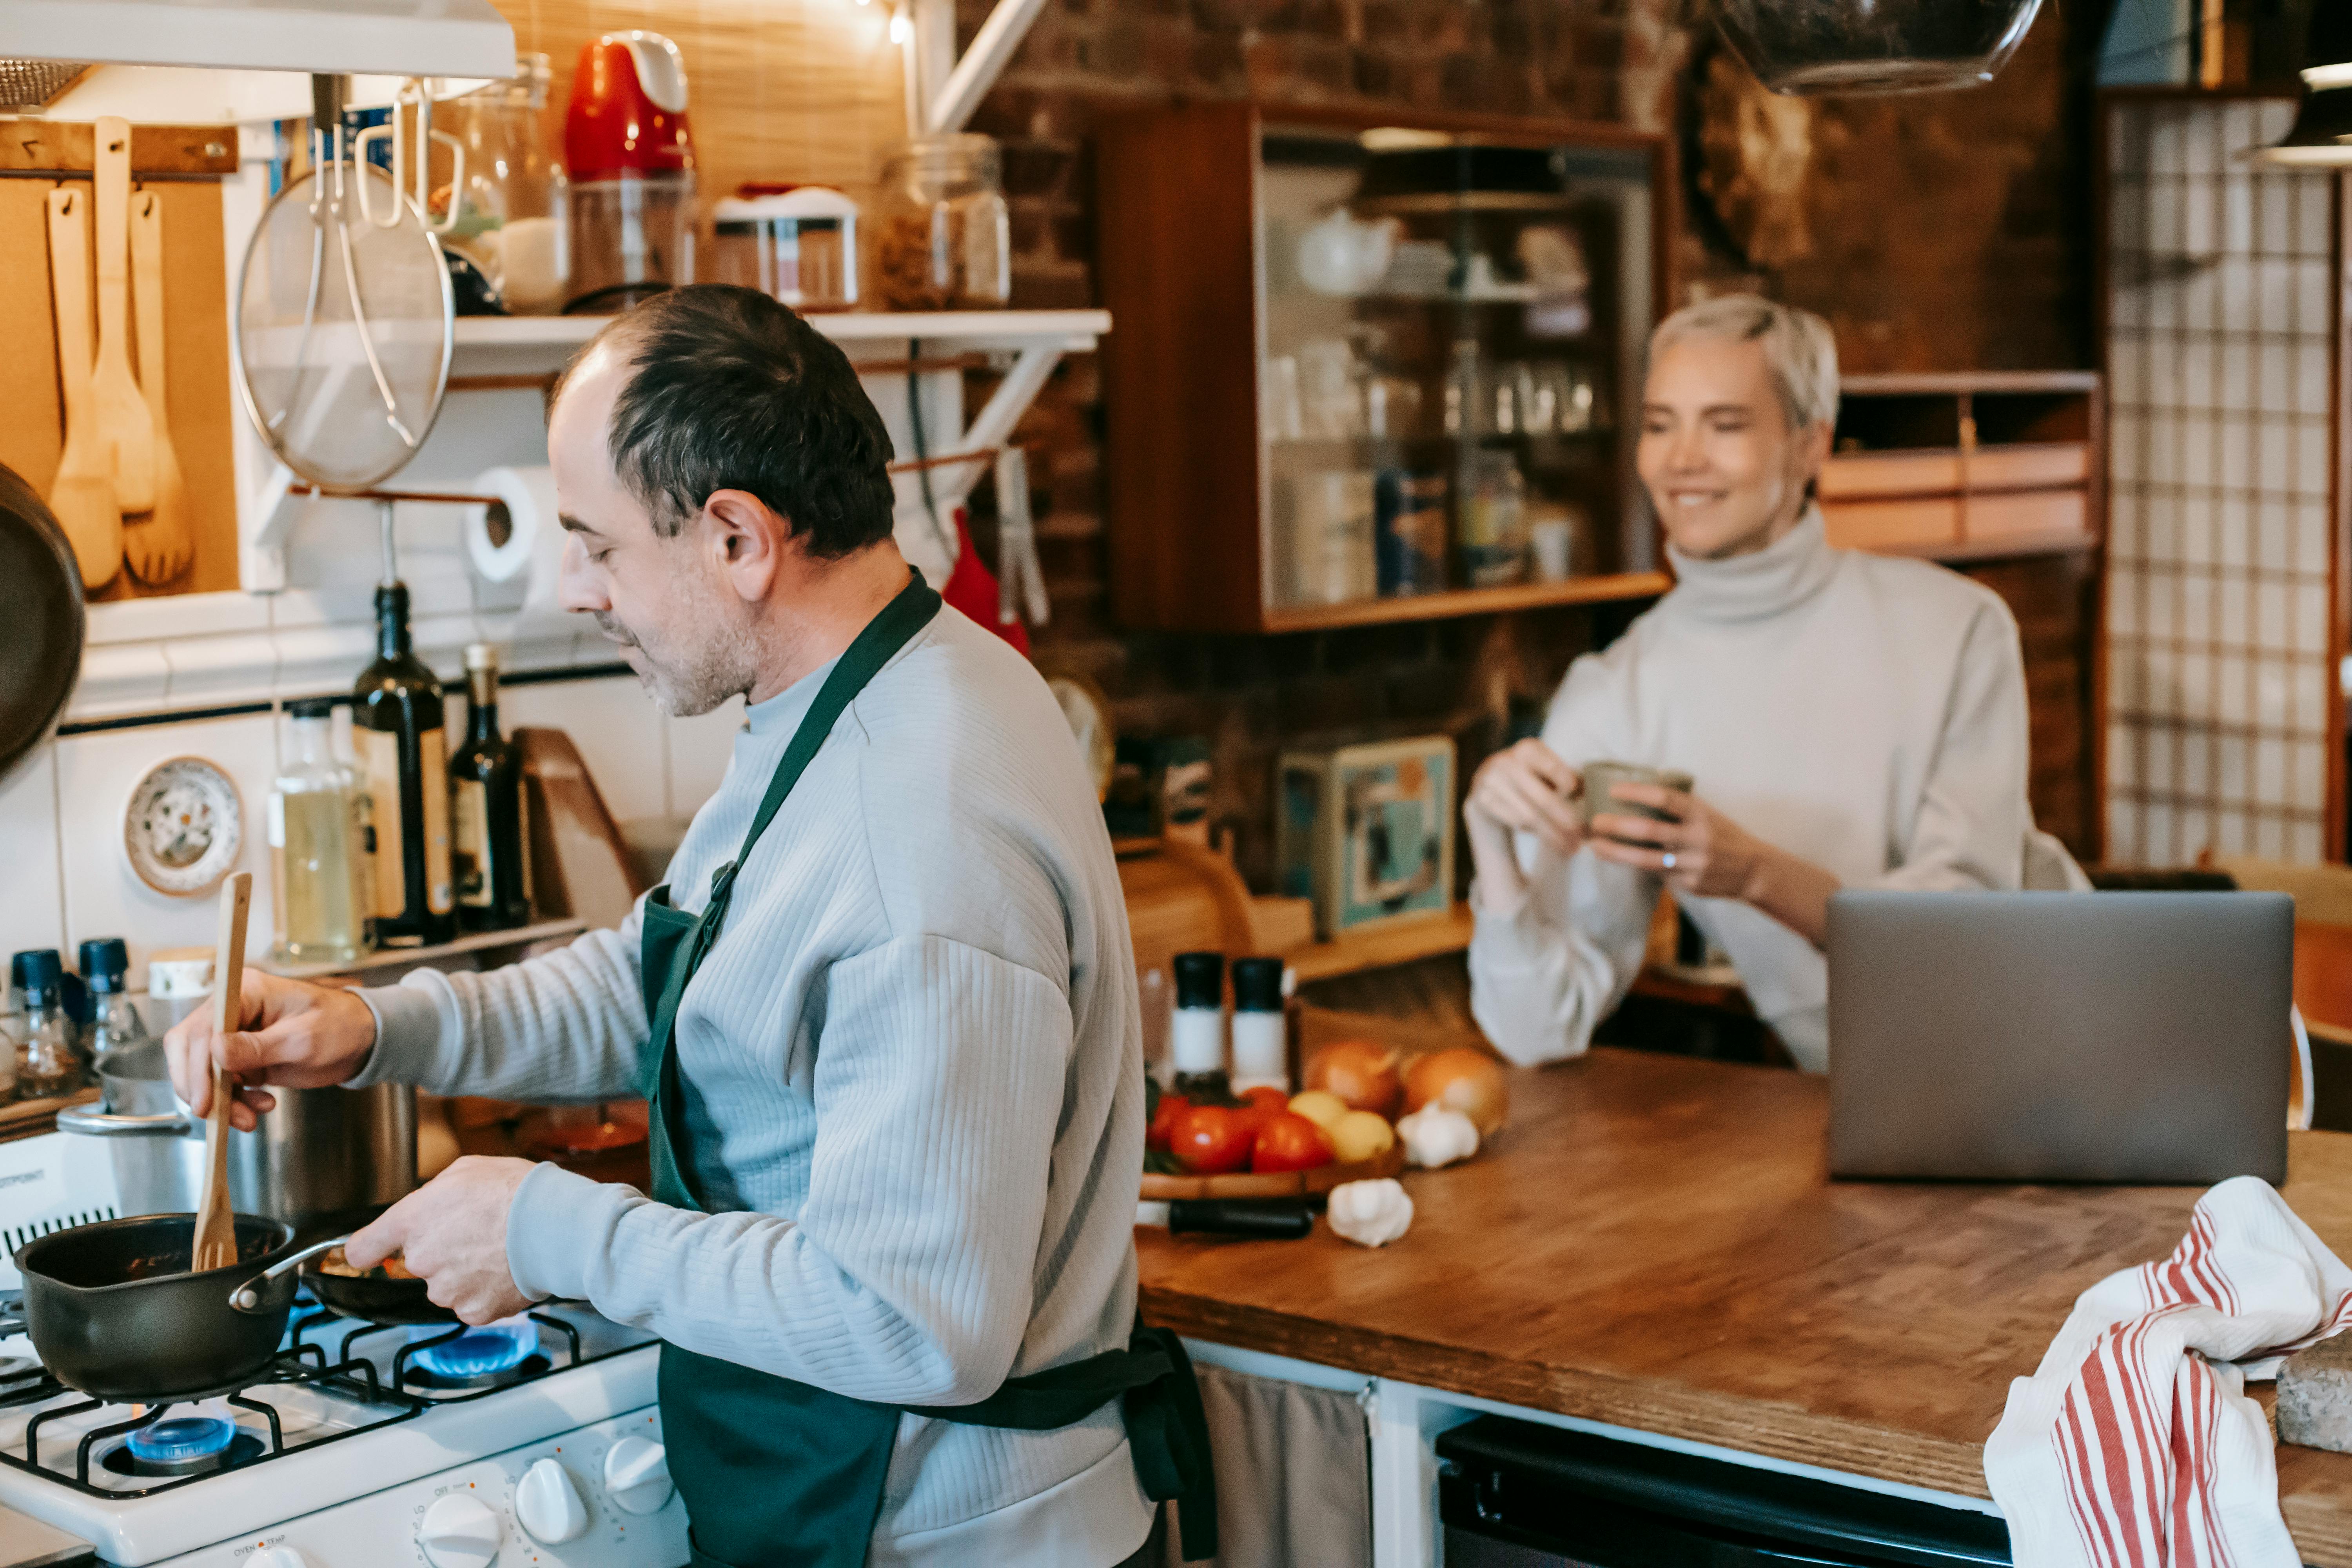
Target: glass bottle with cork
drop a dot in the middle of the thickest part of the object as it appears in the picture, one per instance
(396, 728)
(491, 859)
(315, 847)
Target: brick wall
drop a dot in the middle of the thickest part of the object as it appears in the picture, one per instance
(1937, 238)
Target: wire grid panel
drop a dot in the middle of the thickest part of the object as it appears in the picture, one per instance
(2220, 272)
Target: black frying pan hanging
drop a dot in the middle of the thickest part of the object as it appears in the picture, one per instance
(41, 621)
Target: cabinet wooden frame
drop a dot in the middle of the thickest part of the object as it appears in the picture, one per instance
(1178, 271)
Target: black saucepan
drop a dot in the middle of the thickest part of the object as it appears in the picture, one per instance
(115, 1312)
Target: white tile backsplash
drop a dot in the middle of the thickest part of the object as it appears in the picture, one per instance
(33, 912)
(619, 732)
(96, 773)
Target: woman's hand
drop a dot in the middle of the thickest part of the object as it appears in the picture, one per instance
(1707, 855)
(1526, 788)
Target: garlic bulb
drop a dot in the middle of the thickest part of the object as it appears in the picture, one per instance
(1371, 1212)
(1434, 1136)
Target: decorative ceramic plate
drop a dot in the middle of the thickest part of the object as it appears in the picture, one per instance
(183, 826)
(1088, 712)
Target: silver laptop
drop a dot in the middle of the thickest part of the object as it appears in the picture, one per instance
(2135, 1038)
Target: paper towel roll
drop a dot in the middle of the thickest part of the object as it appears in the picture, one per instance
(532, 540)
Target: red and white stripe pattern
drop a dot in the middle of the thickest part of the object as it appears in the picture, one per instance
(2134, 1446)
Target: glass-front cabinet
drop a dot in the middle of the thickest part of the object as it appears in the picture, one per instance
(1372, 370)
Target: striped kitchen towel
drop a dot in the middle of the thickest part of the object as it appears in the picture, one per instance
(2133, 1445)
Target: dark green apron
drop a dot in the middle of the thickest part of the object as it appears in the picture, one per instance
(778, 1474)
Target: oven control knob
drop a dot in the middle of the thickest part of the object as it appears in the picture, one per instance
(548, 1505)
(459, 1532)
(278, 1557)
(636, 1472)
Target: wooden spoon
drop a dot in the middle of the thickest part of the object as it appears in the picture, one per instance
(215, 1223)
(82, 495)
(121, 412)
(157, 546)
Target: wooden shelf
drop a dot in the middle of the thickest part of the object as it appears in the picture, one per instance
(1383, 946)
(1469, 602)
(540, 344)
(418, 957)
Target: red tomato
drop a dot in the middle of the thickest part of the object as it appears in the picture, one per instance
(1260, 1106)
(1210, 1140)
(1288, 1141)
(1163, 1119)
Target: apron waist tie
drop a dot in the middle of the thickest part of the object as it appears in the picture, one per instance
(1167, 1429)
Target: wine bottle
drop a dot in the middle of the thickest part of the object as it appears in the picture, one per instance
(396, 728)
(491, 858)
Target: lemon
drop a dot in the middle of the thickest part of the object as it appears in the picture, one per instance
(1321, 1106)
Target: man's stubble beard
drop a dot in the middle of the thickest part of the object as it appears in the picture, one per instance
(687, 682)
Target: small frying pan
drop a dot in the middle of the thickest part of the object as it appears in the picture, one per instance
(41, 621)
(356, 1295)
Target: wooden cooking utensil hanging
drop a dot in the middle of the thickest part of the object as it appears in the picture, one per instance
(118, 404)
(157, 547)
(81, 497)
(216, 1237)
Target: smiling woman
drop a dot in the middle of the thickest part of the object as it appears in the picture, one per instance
(1845, 720)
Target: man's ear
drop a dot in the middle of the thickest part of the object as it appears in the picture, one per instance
(748, 539)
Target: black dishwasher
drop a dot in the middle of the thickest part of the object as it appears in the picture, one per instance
(1516, 1495)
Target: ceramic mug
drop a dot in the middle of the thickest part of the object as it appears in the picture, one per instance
(1602, 778)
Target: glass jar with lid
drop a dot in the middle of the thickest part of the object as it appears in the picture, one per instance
(514, 219)
(797, 244)
(944, 238)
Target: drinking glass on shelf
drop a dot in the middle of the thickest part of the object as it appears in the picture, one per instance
(1330, 390)
(1391, 406)
(1516, 402)
(1283, 418)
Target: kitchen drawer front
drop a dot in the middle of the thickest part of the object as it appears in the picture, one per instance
(2030, 466)
(1903, 525)
(1925, 473)
(2028, 514)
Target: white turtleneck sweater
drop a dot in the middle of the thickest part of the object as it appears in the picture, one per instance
(1861, 712)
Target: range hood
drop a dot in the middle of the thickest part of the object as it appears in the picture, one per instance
(337, 37)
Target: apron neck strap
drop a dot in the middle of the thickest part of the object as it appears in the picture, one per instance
(873, 648)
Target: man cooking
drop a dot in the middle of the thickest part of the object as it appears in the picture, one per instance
(885, 1011)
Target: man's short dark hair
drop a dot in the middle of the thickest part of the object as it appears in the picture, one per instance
(730, 390)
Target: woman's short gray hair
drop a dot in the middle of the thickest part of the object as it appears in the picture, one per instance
(1799, 348)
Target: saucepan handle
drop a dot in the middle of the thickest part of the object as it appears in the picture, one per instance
(274, 1286)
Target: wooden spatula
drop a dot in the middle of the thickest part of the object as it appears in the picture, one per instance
(157, 546)
(122, 412)
(82, 495)
(216, 1224)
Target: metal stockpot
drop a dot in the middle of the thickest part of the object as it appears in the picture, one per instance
(321, 1156)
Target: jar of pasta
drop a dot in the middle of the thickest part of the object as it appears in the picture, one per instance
(944, 235)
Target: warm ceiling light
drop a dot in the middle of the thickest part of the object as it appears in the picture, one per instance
(2321, 137)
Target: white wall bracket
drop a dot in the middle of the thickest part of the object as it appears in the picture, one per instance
(945, 89)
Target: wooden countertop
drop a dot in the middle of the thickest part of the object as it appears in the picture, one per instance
(1654, 1241)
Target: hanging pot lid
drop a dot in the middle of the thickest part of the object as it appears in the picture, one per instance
(42, 622)
(1821, 47)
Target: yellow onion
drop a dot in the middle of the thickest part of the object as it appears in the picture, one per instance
(1357, 1071)
(1460, 1079)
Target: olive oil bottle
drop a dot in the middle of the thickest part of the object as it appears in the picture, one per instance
(491, 857)
(396, 729)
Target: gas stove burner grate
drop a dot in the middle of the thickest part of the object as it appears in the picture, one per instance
(172, 1449)
(458, 1362)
